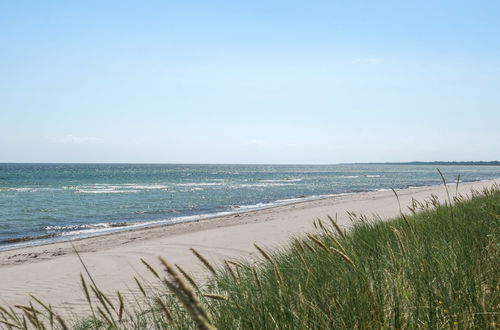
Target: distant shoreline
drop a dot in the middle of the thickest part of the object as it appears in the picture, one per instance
(466, 163)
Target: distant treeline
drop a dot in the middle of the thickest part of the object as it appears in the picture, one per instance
(480, 163)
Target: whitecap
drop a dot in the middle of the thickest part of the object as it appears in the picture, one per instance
(106, 191)
(201, 184)
(265, 185)
(281, 180)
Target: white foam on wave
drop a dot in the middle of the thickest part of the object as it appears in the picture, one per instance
(196, 189)
(146, 187)
(103, 188)
(99, 229)
(266, 184)
(22, 189)
(86, 226)
(349, 176)
(199, 184)
(92, 230)
(252, 206)
(373, 176)
(106, 191)
(281, 180)
(27, 189)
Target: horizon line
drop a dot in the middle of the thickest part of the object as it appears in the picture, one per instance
(200, 163)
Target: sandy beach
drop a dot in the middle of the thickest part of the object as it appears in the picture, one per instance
(51, 272)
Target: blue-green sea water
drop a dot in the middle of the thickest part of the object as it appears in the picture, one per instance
(51, 202)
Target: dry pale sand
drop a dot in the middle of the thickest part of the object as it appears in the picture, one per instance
(51, 272)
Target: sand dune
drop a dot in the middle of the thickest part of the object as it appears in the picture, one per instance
(50, 272)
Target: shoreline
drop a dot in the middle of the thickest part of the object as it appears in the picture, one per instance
(176, 228)
(51, 272)
(243, 209)
(52, 238)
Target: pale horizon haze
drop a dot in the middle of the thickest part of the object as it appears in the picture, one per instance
(281, 82)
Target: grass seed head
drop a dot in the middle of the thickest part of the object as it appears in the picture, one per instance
(204, 261)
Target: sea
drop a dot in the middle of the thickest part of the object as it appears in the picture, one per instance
(41, 203)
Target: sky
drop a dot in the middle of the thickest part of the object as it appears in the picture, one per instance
(293, 82)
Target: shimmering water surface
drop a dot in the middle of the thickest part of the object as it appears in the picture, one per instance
(48, 202)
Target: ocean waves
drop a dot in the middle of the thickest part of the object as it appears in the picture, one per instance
(128, 188)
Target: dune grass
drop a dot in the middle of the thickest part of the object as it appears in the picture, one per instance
(436, 268)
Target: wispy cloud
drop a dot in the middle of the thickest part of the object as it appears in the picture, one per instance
(72, 139)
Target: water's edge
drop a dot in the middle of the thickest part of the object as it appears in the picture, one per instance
(27, 242)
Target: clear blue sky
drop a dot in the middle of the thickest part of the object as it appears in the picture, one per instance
(249, 82)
